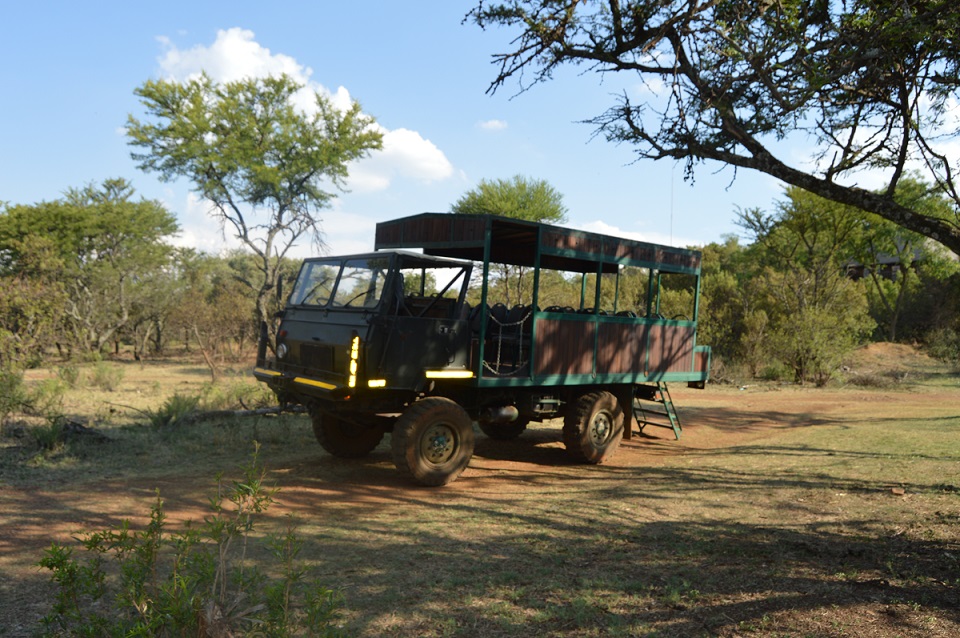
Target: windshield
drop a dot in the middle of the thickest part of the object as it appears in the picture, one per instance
(354, 283)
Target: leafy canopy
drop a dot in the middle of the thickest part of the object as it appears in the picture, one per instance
(866, 84)
(519, 197)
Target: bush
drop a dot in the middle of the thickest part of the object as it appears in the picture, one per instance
(154, 582)
(240, 394)
(106, 376)
(46, 398)
(70, 374)
(173, 410)
(13, 394)
(49, 438)
(944, 344)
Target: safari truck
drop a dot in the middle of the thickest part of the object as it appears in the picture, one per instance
(456, 320)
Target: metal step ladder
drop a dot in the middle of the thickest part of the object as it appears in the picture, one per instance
(656, 394)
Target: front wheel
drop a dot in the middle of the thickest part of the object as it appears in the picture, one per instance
(342, 438)
(592, 432)
(433, 441)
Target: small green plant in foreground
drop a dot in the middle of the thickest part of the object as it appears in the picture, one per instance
(199, 582)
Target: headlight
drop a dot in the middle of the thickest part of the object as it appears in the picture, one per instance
(282, 351)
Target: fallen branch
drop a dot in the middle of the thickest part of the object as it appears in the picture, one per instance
(195, 417)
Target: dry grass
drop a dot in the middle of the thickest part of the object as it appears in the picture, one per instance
(781, 512)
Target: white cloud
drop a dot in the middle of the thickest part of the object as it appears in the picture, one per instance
(602, 227)
(405, 154)
(492, 125)
(234, 55)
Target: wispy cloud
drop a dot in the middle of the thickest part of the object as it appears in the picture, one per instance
(492, 125)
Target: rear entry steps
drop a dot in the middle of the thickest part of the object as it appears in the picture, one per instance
(666, 417)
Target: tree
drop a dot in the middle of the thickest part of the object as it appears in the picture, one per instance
(813, 313)
(32, 298)
(265, 166)
(908, 255)
(870, 83)
(107, 243)
(520, 198)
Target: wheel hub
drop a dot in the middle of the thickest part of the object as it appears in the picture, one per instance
(601, 428)
(438, 443)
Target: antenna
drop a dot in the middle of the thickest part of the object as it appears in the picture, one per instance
(673, 171)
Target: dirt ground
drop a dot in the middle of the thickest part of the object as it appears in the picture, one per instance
(714, 419)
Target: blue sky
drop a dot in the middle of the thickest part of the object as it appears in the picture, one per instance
(69, 70)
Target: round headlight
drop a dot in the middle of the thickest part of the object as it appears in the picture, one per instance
(282, 351)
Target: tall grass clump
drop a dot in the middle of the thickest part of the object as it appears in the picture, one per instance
(197, 582)
(239, 394)
(176, 408)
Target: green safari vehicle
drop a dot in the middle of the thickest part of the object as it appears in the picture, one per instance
(454, 320)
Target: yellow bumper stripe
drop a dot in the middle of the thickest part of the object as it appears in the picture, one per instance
(318, 384)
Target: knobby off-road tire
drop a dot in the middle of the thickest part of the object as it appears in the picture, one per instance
(433, 441)
(342, 438)
(592, 431)
(504, 431)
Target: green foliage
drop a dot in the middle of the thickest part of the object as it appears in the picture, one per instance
(200, 581)
(814, 341)
(518, 197)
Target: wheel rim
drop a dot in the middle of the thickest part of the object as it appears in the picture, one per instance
(601, 428)
(438, 443)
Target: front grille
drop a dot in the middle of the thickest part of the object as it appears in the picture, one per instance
(316, 357)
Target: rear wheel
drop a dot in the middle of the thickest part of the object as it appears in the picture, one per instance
(592, 432)
(433, 441)
(504, 431)
(343, 438)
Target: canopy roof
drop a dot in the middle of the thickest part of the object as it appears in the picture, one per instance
(516, 242)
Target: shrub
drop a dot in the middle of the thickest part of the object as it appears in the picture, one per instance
(240, 394)
(49, 437)
(70, 374)
(13, 394)
(106, 376)
(153, 582)
(173, 410)
(944, 344)
(46, 398)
